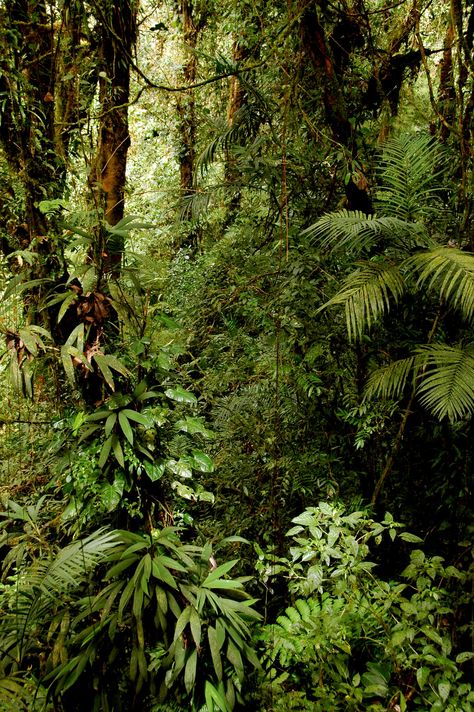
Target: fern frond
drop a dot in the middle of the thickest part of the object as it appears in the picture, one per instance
(366, 295)
(447, 389)
(390, 381)
(411, 168)
(354, 232)
(449, 272)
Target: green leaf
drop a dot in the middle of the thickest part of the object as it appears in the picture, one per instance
(137, 417)
(125, 426)
(422, 675)
(118, 452)
(190, 672)
(214, 697)
(215, 651)
(155, 470)
(102, 364)
(202, 462)
(182, 622)
(68, 365)
(194, 426)
(67, 301)
(109, 423)
(105, 451)
(411, 538)
(444, 688)
(464, 657)
(220, 571)
(180, 395)
(195, 625)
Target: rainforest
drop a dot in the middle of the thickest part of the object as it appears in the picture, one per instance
(236, 355)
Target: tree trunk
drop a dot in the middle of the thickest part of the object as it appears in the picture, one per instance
(186, 109)
(117, 34)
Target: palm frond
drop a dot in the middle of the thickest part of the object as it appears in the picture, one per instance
(47, 581)
(390, 381)
(366, 295)
(73, 563)
(409, 177)
(449, 272)
(354, 232)
(447, 388)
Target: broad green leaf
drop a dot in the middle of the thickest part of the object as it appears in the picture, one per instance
(444, 688)
(29, 340)
(181, 468)
(180, 395)
(68, 365)
(464, 657)
(422, 675)
(155, 470)
(202, 462)
(194, 426)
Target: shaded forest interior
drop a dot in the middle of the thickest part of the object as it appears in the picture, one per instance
(237, 372)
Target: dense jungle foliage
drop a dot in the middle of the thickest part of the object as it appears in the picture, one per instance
(237, 365)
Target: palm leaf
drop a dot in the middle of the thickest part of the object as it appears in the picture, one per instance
(354, 232)
(390, 381)
(46, 582)
(366, 295)
(447, 389)
(409, 177)
(449, 272)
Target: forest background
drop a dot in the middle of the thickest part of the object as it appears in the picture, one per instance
(236, 248)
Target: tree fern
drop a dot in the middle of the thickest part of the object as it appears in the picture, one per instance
(448, 272)
(366, 295)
